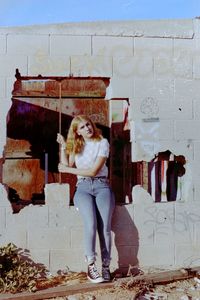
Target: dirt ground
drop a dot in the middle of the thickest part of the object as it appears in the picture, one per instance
(183, 290)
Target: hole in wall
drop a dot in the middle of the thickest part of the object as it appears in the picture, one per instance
(42, 107)
(162, 176)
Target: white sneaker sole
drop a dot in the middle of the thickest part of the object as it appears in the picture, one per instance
(98, 280)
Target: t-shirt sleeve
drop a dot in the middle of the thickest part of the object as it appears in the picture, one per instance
(104, 148)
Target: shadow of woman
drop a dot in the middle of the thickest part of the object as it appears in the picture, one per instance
(126, 240)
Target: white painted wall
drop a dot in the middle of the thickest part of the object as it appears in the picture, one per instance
(156, 60)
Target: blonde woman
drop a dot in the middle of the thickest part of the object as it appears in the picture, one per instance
(84, 154)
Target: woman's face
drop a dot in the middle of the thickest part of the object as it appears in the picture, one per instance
(85, 129)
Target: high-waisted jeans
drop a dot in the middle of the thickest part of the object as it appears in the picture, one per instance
(95, 201)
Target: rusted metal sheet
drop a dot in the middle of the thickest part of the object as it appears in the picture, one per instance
(42, 107)
(24, 176)
(32, 127)
(17, 148)
(70, 87)
(97, 109)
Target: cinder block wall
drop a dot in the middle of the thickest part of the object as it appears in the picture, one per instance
(156, 64)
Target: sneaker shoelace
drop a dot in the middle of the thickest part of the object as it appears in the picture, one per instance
(93, 271)
(106, 273)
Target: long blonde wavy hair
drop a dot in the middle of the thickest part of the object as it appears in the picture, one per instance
(75, 142)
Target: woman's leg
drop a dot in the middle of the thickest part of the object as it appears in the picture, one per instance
(105, 203)
(85, 202)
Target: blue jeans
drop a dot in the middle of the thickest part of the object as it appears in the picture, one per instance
(95, 201)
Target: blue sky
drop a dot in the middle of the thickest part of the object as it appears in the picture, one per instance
(30, 12)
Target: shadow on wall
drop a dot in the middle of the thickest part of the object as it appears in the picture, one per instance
(126, 240)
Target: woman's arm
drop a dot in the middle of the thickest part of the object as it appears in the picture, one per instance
(64, 159)
(90, 172)
(63, 156)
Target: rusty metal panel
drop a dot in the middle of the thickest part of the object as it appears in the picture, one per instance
(42, 107)
(32, 128)
(24, 176)
(70, 87)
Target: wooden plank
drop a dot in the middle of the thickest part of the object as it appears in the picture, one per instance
(59, 291)
(163, 277)
(66, 290)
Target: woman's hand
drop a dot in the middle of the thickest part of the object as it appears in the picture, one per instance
(61, 141)
(62, 168)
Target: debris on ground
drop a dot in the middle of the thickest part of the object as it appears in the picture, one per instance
(186, 289)
(17, 272)
(180, 290)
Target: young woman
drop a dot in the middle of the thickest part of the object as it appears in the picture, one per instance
(84, 154)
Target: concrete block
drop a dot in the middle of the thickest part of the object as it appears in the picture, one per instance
(152, 131)
(64, 216)
(163, 255)
(16, 220)
(196, 190)
(154, 47)
(194, 165)
(196, 150)
(185, 54)
(40, 257)
(187, 255)
(122, 216)
(2, 217)
(2, 43)
(196, 109)
(49, 65)
(131, 237)
(166, 28)
(70, 45)
(48, 238)
(156, 89)
(179, 109)
(175, 67)
(196, 25)
(138, 66)
(37, 216)
(95, 65)
(9, 86)
(9, 64)
(143, 150)
(150, 107)
(72, 260)
(121, 87)
(185, 47)
(187, 89)
(183, 66)
(2, 87)
(30, 216)
(5, 104)
(185, 148)
(123, 256)
(174, 28)
(4, 202)
(196, 61)
(185, 130)
(15, 235)
(157, 222)
(27, 44)
(112, 46)
(164, 67)
(77, 237)
(57, 195)
(187, 219)
(196, 66)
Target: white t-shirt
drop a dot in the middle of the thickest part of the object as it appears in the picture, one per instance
(88, 156)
